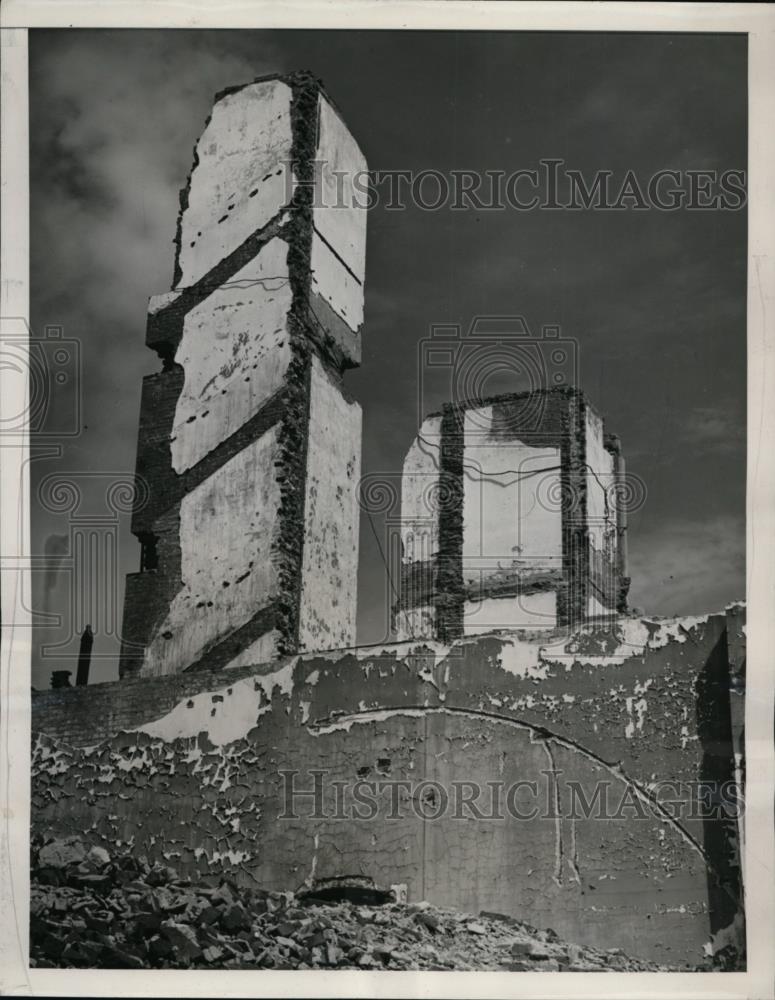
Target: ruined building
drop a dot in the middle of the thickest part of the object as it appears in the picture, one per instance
(248, 444)
(512, 516)
(520, 667)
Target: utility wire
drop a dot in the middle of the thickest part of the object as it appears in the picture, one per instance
(235, 283)
(382, 557)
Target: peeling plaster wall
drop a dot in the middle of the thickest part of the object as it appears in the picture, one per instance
(254, 341)
(600, 478)
(528, 486)
(241, 175)
(329, 573)
(421, 498)
(601, 516)
(420, 494)
(196, 780)
(227, 536)
(235, 353)
(415, 623)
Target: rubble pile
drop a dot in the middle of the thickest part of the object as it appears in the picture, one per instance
(89, 910)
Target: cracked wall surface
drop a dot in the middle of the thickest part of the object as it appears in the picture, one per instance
(235, 352)
(227, 534)
(240, 175)
(511, 517)
(248, 446)
(512, 526)
(329, 592)
(189, 768)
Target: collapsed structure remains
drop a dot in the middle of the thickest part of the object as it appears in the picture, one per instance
(516, 659)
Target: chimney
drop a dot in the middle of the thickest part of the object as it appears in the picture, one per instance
(84, 657)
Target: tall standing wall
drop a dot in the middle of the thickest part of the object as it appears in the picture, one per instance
(248, 446)
(512, 517)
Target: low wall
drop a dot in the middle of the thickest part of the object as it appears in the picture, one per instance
(216, 772)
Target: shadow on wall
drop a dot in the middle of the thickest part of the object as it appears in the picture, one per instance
(720, 837)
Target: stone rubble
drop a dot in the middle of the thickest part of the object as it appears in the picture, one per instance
(88, 910)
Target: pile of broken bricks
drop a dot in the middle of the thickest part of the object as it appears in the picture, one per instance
(89, 910)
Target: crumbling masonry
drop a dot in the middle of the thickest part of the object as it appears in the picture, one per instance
(512, 516)
(248, 444)
(520, 665)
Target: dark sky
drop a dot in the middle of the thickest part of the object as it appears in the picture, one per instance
(654, 300)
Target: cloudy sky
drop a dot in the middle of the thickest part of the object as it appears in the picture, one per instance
(654, 300)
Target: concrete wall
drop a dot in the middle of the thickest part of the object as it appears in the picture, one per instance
(421, 500)
(228, 532)
(528, 535)
(247, 444)
(529, 611)
(241, 176)
(601, 516)
(512, 526)
(196, 780)
(235, 353)
(337, 217)
(338, 255)
(329, 592)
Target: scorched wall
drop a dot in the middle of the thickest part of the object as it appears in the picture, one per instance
(194, 769)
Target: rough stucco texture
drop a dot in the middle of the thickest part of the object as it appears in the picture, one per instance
(601, 516)
(247, 444)
(419, 494)
(421, 499)
(533, 542)
(228, 579)
(330, 562)
(240, 177)
(235, 353)
(196, 779)
(338, 259)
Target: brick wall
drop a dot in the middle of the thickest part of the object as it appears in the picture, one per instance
(203, 784)
(84, 716)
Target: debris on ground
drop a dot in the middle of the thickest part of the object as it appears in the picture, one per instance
(88, 910)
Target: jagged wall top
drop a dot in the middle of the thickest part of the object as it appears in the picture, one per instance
(275, 154)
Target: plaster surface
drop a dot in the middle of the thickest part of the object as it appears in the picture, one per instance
(338, 259)
(235, 352)
(241, 176)
(196, 779)
(528, 611)
(227, 530)
(329, 571)
(512, 521)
